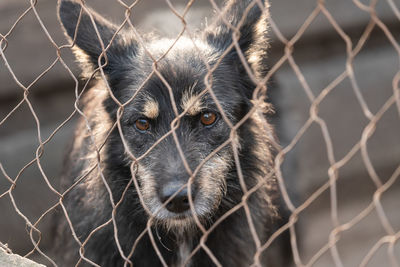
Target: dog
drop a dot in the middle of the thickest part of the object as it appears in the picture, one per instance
(172, 158)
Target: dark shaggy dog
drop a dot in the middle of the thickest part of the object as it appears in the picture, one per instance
(147, 187)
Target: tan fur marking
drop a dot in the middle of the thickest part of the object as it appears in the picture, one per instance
(151, 109)
(192, 103)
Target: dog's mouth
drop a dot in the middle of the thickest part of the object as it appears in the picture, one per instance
(201, 211)
(187, 217)
(177, 222)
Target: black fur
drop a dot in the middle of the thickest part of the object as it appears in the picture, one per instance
(126, 66)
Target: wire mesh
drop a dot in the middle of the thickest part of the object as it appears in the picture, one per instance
(340, 227)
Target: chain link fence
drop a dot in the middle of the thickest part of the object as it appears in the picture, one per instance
(335, 77)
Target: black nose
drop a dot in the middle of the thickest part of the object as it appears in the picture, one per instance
(180, 202)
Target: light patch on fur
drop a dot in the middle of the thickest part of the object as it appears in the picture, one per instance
(151, 109)
(262, 106)
(183, 44)
(100, 126)
(258, 49)
(147, 187)
(183, 253)
(84, 61)
(192, 102)
(212, 178)
(263, 152)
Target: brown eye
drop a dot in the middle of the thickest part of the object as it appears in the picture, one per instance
(208, 118)
(142, 125)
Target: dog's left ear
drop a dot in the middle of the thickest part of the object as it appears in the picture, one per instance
(248, 20)
(92, 33)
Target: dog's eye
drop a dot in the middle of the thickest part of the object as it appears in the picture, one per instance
(208, 118)
(142, 125)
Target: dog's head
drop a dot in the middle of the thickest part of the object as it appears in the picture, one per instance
(180, 100)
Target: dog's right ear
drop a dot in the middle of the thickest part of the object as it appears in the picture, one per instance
(248, 19)
(79, 27)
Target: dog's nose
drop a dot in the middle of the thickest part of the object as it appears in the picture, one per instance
(180, 202)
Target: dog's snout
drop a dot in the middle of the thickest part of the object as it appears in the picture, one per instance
(180, 202)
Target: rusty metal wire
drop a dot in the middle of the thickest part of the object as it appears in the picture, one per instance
(353, 48)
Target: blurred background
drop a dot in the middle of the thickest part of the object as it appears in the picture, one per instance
(320, 55)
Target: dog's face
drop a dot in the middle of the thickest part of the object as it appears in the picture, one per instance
(199, 131)
(178, 102)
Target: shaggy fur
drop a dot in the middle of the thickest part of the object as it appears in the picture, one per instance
(160, 170)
